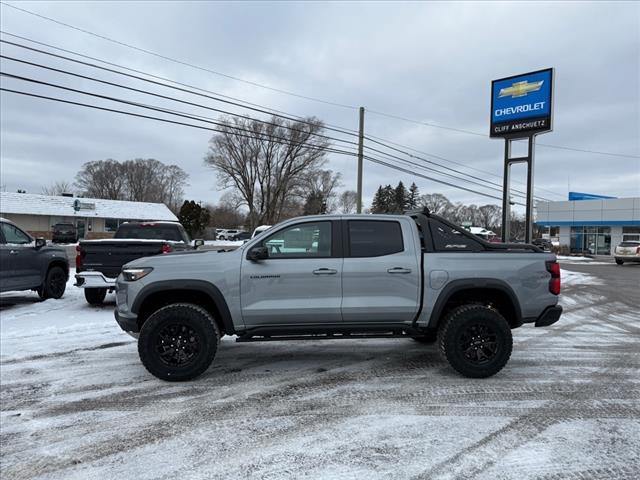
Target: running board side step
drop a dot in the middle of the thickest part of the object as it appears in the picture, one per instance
(317, 336)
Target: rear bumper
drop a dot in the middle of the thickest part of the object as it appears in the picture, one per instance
(550, 316)
(627, 258)
(94, 280)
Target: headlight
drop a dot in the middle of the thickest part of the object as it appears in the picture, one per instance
(133, 274)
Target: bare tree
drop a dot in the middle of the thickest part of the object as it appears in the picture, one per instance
(57, 188)
(437, 203)
(268, 164)
(318, 190)
(347, 201)
(140, 180)
(102, 179)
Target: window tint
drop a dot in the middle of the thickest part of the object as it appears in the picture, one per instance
(301, 240)
(13, 235)
(448, 239)
(156, 231)
(374, 238)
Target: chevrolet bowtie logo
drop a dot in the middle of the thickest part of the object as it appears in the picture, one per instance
(520, 89)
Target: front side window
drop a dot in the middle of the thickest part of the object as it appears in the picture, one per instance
(304, 240)
(369, 238)
(14, 235)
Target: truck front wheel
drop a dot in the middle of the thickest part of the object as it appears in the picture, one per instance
(476, 340)
(95, 296)
(178, 342)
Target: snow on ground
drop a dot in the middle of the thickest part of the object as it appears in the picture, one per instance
(77, 403)
(224, 243)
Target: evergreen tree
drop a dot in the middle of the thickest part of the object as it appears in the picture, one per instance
(193, 217)
(388, 195)
(400, 198)
(414, 195)
(378, 204)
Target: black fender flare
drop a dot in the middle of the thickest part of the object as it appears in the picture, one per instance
(456, 286)
(201, 286)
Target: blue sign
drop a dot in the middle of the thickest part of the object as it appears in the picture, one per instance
(522, 104)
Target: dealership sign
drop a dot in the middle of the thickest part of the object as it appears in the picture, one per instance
(522, 105)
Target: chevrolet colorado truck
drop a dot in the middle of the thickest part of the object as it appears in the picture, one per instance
(340, 276)
(98, 262)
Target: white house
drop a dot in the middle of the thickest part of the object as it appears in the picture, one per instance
(93, 217)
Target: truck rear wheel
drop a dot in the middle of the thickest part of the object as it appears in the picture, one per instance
(476, 340)
(178, 342)
(95, 296)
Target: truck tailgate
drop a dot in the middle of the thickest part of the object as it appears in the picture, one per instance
(108, 257)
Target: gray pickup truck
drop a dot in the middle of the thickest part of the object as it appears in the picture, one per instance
(353, 276)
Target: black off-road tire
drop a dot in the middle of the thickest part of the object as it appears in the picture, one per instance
(178, 342)
(54, 285)
(95, 296)
(619, 262)
(470, 332)
(427, 338)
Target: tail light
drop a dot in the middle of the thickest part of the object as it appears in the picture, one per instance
(554, 283)
(167, 248)
(79, 254)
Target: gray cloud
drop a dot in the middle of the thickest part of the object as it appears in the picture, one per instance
(431, 62)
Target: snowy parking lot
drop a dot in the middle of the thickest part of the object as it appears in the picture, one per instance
(77, 403)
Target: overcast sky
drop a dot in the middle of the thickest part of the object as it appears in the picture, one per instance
(431, 62)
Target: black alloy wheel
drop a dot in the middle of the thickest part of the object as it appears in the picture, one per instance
(177, 344)
(479, 343)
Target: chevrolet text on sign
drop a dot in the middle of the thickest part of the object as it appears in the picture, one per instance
(522, 104)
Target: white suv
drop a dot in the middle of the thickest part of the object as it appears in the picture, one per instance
(628, 251)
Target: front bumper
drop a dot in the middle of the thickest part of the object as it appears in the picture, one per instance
(128, 322)
(94, 280)
(550, 316)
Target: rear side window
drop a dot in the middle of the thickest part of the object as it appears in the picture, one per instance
(150, 232)
(374, 238)
(630, 244)
(448, 239)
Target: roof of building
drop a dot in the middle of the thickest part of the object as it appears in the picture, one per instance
(33, 204)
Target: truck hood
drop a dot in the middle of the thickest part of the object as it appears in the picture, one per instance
(184, 260)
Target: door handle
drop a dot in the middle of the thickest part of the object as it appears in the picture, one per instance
(325, 271)
(399, 270)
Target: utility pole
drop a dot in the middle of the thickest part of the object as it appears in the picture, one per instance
(360, 160)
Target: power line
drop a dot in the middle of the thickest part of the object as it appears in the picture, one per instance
(213, 121)
(165, 79)
(182, 114)
(104, 82)
(470, 132)
(96, 107)
(180, 62)
(285, 92)
(164, 120)
(445, 167)
(217, 99)
(395, 167)
(370, 137)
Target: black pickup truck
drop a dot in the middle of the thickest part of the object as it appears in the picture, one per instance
(98, 262)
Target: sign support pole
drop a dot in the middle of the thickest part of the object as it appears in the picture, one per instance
(506, 189)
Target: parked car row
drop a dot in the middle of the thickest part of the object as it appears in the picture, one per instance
(238, 235)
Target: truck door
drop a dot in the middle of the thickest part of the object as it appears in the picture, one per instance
(20, 257)
(381, 272)
(300, 282)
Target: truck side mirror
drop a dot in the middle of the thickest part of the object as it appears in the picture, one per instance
(40, 242)
(198, 243)
(257, 253)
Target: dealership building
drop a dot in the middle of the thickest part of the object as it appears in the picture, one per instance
(93, 217)
(590, 224)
